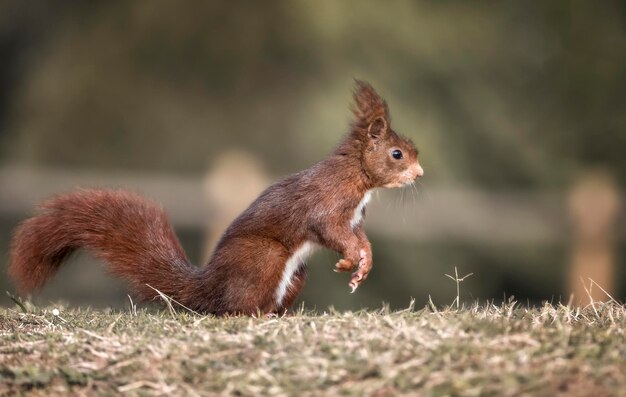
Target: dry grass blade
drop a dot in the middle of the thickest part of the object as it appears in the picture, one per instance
(458, 281)
(168, 301)
(17, 301)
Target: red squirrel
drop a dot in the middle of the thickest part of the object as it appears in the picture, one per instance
(259, 262)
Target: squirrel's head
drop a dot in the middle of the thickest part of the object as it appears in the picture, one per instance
(389, 159)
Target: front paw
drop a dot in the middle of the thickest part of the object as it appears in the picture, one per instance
(365, 266)
(344, 266)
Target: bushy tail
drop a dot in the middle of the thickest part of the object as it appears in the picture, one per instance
(131, 234)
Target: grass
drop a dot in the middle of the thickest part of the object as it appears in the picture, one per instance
(497, 350)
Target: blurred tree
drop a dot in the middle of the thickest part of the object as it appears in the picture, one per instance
(500, 94)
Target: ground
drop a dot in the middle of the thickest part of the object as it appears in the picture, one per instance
(482, 350)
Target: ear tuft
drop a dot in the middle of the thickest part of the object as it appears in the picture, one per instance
(369, 106)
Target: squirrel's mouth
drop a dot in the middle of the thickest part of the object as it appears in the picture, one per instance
(408, 176)
(401, 183)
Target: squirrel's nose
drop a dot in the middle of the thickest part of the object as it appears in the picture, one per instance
(417, 171)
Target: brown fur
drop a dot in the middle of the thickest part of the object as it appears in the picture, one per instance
(317, 205)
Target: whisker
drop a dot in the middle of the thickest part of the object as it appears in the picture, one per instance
(396, 200)
(415, 192)
(423, 190)
(388, 206)
(411, 192)
(403, 207)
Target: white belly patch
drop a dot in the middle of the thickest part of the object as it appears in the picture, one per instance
(292, 265)
(358, 211)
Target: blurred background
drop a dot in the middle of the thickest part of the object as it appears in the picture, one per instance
(518, 110)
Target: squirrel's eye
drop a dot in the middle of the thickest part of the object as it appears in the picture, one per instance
(396, 154)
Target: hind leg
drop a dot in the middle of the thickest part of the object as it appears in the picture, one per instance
(246, 273)
(297, 284)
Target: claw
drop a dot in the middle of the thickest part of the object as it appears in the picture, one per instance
(354, 286)
(343, 266)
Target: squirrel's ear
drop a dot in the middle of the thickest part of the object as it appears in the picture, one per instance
(370, 110)
(377, 128)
